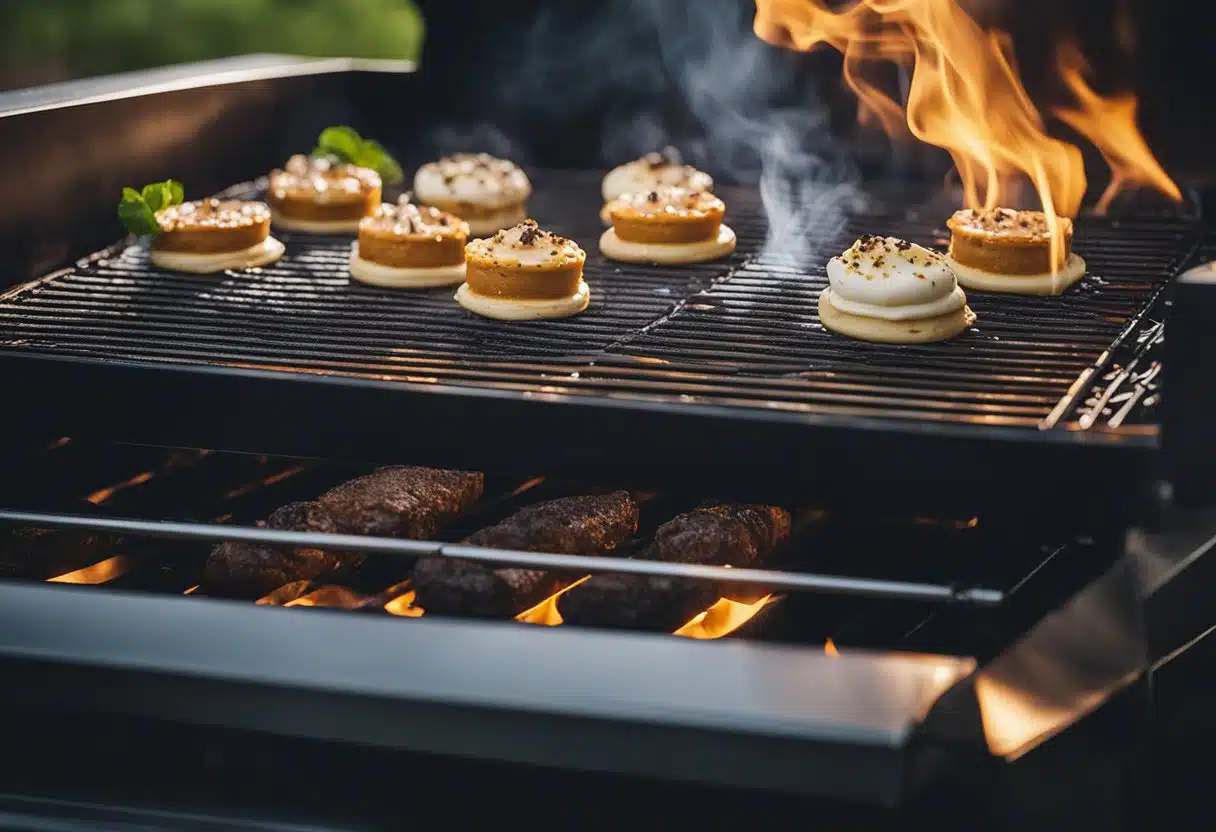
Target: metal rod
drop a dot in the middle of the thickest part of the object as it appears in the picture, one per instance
(783, 581)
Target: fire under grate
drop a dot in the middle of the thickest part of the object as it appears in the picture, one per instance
(998, 576)
(742, 333)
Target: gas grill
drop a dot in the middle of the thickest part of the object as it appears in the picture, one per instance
(993, 561)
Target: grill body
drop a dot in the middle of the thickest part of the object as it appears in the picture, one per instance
(710, 376)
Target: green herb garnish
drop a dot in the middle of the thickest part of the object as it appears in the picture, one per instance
(137, 209)
(349, 147)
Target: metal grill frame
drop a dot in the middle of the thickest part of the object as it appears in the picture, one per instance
(663, 440)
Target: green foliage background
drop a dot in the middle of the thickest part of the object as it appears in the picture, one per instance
(42, 40)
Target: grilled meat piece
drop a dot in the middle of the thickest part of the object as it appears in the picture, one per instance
(393, 502)
(250, 570)
(713, 535)
(401, 501)
(590, 525)
(41, 554)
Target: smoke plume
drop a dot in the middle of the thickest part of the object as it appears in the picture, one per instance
(689, 73)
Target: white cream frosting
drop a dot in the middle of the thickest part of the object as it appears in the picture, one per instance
(262, 254)
(377, 274)
(473, 179)
(894, 280)
(1021, 284)
(614, 248)
(527, 244)
(652, 171)
(513, 309)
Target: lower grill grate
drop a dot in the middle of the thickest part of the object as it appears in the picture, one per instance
(997, 554)
(743, 333)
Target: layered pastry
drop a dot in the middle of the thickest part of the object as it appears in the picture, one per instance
(1002, 250)
(665, 226)
(410, 246)
(654, 170)
(316, 195)
(489, 194)
(210, 236)
(892, 291)
(524, 273)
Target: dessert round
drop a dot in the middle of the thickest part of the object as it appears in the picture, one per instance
(1002, 250)
(210, 235)
(524, 273)
(317, 195)
(489, 194)
(668, 225)
(892, 291)
(410, 246)
(652, 171)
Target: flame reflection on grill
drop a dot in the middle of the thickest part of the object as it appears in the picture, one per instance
(967, 97)
(723, 618)
(98, 573)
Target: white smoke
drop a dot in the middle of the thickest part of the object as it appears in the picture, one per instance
(738, 109)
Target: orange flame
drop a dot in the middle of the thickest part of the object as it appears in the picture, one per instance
(546, 612)
(403, 605)
(328, 596)
(723, 618)
(101, 495)
(1110, 125)
(829, 647)
(97, 573)
(967, 97)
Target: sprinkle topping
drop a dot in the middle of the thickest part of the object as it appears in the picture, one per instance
(321, 179)
(213, 214)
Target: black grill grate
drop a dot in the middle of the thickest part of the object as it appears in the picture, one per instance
(741, 333)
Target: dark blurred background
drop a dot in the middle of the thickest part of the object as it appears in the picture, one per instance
(564, 70)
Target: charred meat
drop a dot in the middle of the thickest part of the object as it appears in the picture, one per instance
(250, 570)
(401, 501)
(587, 525)
(41, 554)
(392, 502)
(713, 535)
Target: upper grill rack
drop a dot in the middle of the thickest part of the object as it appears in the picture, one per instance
(742, 332)
(728, 355)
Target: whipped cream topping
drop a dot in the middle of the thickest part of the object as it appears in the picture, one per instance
(527, 244)
(893, 279)
(654, 170)
(213, 214)
(667, 200)
(321, 180)
(473, 179)
(405, 219)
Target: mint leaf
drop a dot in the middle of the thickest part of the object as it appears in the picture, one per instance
(348, 146)
(137, 215)
(343, 142)
(374, 156)
(137, 209)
